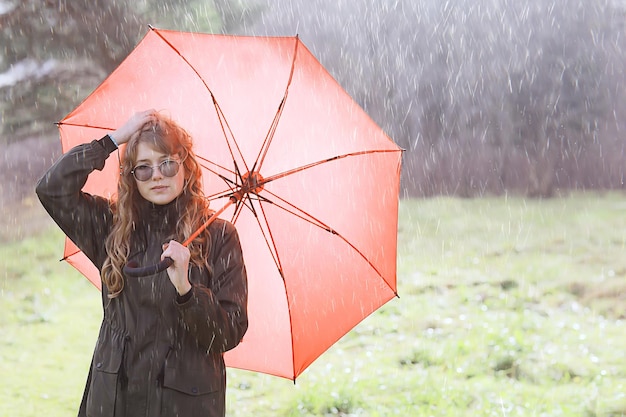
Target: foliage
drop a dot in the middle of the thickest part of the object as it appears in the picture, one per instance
(59, 51)
(486, 96)
(507, 307)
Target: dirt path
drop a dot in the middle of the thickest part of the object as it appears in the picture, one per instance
(21, 166)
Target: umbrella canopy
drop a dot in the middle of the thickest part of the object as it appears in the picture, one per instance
(316, 180)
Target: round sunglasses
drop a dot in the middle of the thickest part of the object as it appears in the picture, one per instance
(167, 168)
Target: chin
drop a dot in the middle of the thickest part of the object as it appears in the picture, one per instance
(160, 200)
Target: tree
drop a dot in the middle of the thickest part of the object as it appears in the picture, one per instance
(60, 56)
(561, 99)
(484, 95)
(56, 51)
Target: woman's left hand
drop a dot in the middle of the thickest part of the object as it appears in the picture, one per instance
(179, 270)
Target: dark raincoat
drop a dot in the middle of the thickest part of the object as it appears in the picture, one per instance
(157, 354)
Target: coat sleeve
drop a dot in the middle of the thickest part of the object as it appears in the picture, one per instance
(84, 218)
(217, 315)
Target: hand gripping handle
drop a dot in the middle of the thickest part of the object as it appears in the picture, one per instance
(132, 269)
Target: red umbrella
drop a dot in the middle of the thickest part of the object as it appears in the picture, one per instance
(308, 179)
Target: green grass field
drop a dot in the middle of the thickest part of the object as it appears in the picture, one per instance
(508, 307)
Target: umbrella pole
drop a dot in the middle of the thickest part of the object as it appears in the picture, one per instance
(210, 220)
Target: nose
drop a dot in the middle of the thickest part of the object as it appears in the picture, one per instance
(156, 173)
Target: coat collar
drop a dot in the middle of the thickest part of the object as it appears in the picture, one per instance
(156, 218)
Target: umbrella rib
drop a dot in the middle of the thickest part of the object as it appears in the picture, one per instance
(276, 257)
(239, 208)
(265, 232)
(301, 214)
(223, 121)
(334, 158)
(270, 134)
(271, 246)
(66, 257)
(214, 164)
(220, 114)
(270, 238)
(297, 212)
(232, 185)
(84, 125)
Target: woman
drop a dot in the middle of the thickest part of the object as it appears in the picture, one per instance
(159, 350)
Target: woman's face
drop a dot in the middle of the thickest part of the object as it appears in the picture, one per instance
(158, 188)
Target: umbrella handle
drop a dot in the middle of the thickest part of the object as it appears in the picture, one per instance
(132, 269)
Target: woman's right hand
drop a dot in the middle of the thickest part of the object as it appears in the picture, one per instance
(137, 123)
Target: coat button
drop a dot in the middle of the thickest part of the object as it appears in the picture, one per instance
(194, 390)
(99, 365)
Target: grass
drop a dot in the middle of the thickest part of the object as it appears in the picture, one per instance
(508, 307)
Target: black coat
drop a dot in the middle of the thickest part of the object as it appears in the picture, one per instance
(157, 354)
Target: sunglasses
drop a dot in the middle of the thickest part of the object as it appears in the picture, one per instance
(167, 168)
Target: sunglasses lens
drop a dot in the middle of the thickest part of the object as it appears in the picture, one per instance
(169, 168)
(142, 172)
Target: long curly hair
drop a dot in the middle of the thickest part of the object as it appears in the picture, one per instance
(169, 138)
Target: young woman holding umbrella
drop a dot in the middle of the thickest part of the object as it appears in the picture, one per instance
(162, 338)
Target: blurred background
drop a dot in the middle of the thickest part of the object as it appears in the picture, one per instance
(486, 96)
